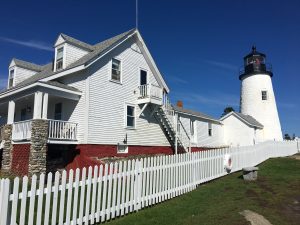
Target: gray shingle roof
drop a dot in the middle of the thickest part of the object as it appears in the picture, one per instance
(28, 65)
(249, 119)
(77, 42)
(98, 50)
(61, 85)
(194, 113)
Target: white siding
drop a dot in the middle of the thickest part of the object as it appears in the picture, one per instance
(73, 53)
(106, 121)
(201, 126)
(22, 74)
(237, 133)
(74, 111)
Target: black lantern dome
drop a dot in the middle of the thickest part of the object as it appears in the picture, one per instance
(255, 63)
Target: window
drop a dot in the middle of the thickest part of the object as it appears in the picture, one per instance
(130, 116)
(11, 78)
(209, 129)
(58, 111)
(122, 148)
(59, 58)
(116, 70)
(193, 130)
(23, 114)
(143, 77)
(264, 95)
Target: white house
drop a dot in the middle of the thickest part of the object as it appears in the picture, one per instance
(101, 100)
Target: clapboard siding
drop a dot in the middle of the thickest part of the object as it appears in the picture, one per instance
(203, 139)
(237, 133)
(21, 74)
(107, 101)
(73, 53)
(74, 111)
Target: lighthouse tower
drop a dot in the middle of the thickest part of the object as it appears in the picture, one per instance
(257, 95)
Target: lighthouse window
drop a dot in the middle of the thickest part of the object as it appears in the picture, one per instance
(264, 95)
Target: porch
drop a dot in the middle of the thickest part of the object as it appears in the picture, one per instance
(51, 104)
(58, 131)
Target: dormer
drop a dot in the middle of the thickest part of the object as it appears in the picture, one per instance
(68, 50)
(20, 70)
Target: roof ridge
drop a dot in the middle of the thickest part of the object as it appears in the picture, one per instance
(28, 65)
(76, 41)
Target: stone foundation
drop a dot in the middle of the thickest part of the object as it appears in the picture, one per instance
(38, 148)
(7, 150)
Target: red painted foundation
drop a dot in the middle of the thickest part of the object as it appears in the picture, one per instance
(89, 155)
(20, 159)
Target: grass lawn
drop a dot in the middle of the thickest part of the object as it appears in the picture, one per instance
(276, 196)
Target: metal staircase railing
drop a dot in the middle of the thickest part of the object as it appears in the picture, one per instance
(174, 128)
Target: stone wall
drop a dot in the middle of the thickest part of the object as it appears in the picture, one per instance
(38, 148)
(7, 150)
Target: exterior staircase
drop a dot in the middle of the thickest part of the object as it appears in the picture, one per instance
(173, 128)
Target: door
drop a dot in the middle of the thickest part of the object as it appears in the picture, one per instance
(143, 77)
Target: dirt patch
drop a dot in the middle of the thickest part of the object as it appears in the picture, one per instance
(254, 218)
(296, 157)
(291, 209)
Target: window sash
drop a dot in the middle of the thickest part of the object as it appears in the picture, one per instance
(116, 70)
(12, 74)
(59, 54)
(264, 95)
(130, 116)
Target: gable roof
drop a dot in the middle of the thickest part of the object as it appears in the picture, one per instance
(245, 118)
(76, 42)
(97, 51)
(27, 65)
(195, 113)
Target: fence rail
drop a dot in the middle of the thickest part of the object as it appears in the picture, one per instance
(150, 91)
(102, 193)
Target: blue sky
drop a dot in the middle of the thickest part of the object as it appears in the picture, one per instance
(198, 45)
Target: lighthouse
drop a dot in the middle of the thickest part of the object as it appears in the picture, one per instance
(257, 95)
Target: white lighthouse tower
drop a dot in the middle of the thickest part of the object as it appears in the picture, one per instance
(257, 95)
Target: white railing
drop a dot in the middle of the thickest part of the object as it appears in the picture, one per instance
(116, 189)
(150, 91)
(62, 130)
(21, 130)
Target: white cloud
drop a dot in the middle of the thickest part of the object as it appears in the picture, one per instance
(222, 65)
(178, 80)
(211, 99)
(31, 44)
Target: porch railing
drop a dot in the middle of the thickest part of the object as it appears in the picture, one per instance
(21, 131)
(150, 91)
(62, 130)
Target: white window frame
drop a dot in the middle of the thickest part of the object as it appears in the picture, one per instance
(119, 151)
(210, 130)
(9, 77)
(266, 95)
(193, 129)
(111, 69)
(125, 116)
(139, 75)
(64, 46)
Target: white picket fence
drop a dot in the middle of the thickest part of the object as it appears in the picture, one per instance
(112, 190)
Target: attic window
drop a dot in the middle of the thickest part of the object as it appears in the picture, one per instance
(209, 129)
(11, 78)
(59, 58)
(116, 70)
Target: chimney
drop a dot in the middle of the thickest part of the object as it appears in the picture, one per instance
(180, 104)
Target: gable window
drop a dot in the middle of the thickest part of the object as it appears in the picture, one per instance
(59, 58)
(130, 116)
(264, 95)
(193, 130)
(210, 129)
(143, 77)
(11, 78)
(116, 70)
(58, 111)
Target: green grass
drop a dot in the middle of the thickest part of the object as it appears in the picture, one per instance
(276, 196)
